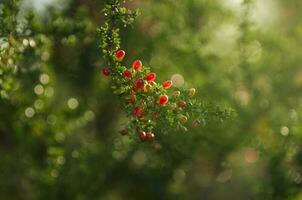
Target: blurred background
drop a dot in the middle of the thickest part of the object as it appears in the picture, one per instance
(59, 121)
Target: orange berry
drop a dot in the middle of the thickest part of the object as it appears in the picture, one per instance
(150, 77)
(167, 84)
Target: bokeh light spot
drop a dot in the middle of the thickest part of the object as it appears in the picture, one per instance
(39, 104)
(25, 42)
(45, 56)
(179, 175)
(39, 89)
(139, 158)
(89, 115)
(72, 103)
(75, 154)
(60, 160)
(224, 176)
(29, 112)
(251, 155)
(51, 119)
(32, 43)
(44, 79)
(178, 80)
(60, 137)
(284, 131)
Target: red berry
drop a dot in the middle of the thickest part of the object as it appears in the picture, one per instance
(167, 84)
(150, 77)
(138, 112)
(149, 136)
(106, 71)
(137, 65)
(142, 135)
(127, 74)
(139, 84)
(163, 100)
(120, 54)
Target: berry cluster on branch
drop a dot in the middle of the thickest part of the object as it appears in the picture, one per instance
(149, 105)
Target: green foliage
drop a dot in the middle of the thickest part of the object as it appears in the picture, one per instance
(116, 16)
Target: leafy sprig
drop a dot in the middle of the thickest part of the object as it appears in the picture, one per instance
(148, 105)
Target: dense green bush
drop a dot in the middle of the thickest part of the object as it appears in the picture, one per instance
(59, 120)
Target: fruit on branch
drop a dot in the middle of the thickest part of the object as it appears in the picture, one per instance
(138, 112)
(143, 106)
(181, 103)
(139, 84)
(106, 71)
(196, 123)
(137, 65)
(124, 131)
(182, 118)
(150, 136)
(145, 99)
(167, 84)
(142, 135)
(183, 128)
(173, 106)
(120, 54)
(163, 100)
(150, 77)
(176, 94)
(192, 92)
(127, 74)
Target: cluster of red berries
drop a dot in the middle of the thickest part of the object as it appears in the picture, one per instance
(141, 80)
(149, 136)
